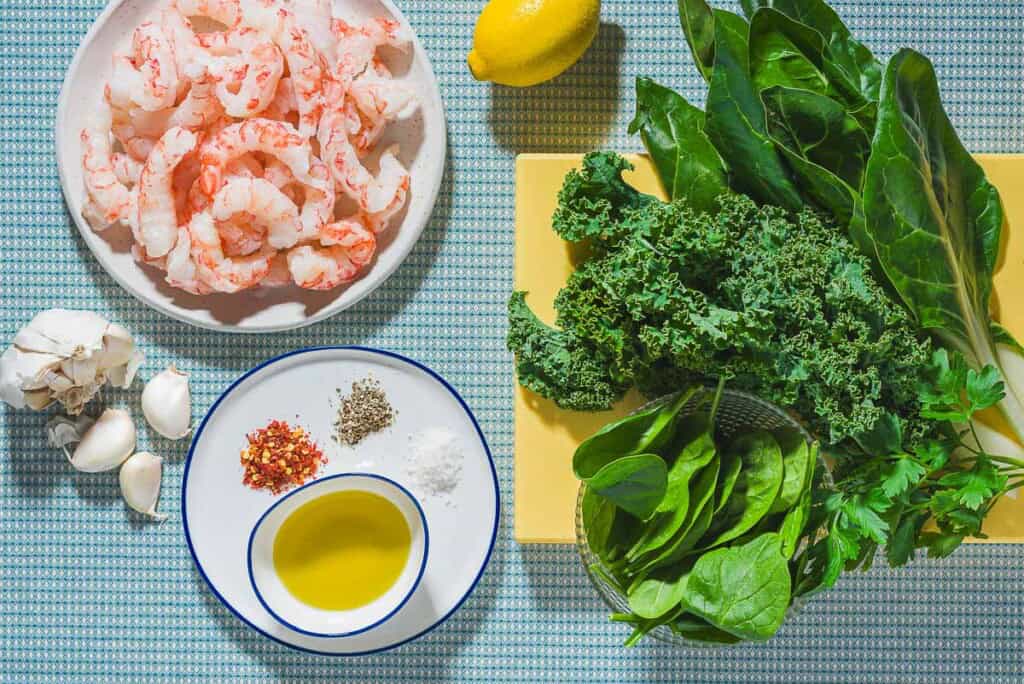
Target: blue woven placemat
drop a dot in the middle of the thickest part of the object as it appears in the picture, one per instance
(87, 593)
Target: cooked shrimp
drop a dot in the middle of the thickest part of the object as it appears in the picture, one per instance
(247, 81)
(284, 102)
(155, 68)
(157, 218)
(181, 269)
(214, 268)
(318, 207)
(245, 165)
(356, 238)
(227, 12)
(314, 17)
(109, 199)
(279, 275)
(357, 45)
(305, 66)
(383, 193)
(267, 205)
(274, 138)
(321, 268)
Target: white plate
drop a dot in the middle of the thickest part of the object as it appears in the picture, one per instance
(218, 512)
(423, 147)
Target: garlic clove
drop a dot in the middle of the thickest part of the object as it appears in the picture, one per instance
(118, 347)
(167, 403)
(140, 483)
(124, 375)
(106, 444)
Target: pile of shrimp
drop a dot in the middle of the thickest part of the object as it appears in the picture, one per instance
(226, 152)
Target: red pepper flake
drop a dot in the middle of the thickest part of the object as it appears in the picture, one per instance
(280, 457)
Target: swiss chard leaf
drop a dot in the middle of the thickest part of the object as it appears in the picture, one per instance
(673, 132)
(744, 590)
(784, 52)
(698, 22)
(636, 484)
(856, 60)
(736, 120)
(933, 218)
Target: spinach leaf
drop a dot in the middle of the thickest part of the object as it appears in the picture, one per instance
(636, 484)
(736, 120)
(793, 525)
(795, 461)
(743, 590)
(729, 471)
(658, 594)
(859, 65)
(598, 521)
(694, 628)
(644, 431)
(784, 52)
(756, 488)
(934, 219)
(698, 24)
(820, 130)
(673, 133)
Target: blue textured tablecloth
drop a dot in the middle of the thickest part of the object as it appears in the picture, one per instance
(87, 593)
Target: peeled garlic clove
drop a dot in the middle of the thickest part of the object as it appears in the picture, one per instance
(106, 444)
(118, 347)
(167, 403)
(140, 483)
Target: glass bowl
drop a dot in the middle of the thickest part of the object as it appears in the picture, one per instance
(736, 411)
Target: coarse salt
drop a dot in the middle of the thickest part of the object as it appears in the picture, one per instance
(435, 463)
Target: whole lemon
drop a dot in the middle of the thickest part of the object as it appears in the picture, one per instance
(525, 42)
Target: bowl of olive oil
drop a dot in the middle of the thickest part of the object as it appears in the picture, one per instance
(340, 555)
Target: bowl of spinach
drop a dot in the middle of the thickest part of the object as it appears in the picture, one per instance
(695, 513)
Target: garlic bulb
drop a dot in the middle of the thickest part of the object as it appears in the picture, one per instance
(66, 356)
(106, 444)
(167, 403)
(140, 483)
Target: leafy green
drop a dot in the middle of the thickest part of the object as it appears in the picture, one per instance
(694, 628)
(736, 120)
(657, 595)
(756, 489)
(796, 459)
(644, 431)
(744, 590)
(783, 304)
(698, 22)
(933, 218)
(673, 132)
(636, 484)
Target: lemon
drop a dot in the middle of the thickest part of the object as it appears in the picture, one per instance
(525, 42)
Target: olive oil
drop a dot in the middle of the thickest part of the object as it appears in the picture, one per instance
(342, 550)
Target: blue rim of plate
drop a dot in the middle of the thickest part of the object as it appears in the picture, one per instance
(321, 481)
(370, 350)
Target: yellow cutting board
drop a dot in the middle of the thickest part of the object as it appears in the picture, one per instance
(546, 436)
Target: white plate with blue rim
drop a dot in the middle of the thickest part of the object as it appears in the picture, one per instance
(220, 514)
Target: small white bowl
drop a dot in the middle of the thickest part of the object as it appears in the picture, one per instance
(306, 619)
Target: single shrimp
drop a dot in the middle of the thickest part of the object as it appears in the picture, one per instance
(305, 66)
(157, 217)
(109, 200)
(152, 61)
(354, 236)
(283, 103)
(267, 205)
(217, 270)
(321, 268)
(181, 269)
(247, 81)
(274, 138)
(185, 175)
(315, 17)
(319, 199)
(374, 195)
(358, 44)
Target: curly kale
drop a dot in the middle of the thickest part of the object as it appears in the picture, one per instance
(781, 303)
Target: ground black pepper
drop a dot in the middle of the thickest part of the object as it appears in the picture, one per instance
(362, 412)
